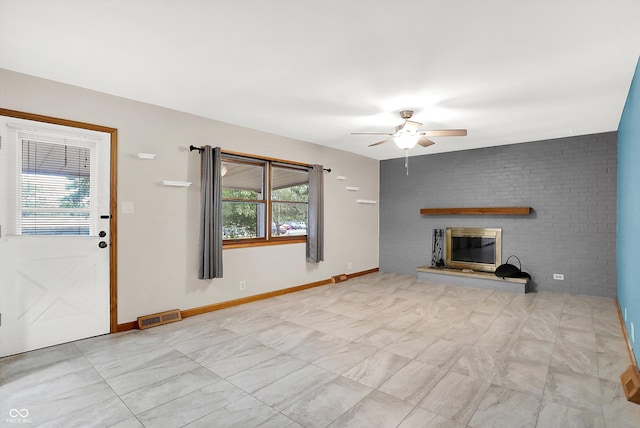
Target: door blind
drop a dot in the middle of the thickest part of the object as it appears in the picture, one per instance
(56, 184)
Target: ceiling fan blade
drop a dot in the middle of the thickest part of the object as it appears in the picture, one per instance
(381, 142)
(411, 125)
(445, 133)
(425, 142)
(371, 133)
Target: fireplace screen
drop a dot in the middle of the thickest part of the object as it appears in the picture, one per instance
(474, 248)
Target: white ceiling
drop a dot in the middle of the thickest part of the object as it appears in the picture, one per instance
(509, 71)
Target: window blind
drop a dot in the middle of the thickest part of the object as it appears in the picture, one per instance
(55, 189)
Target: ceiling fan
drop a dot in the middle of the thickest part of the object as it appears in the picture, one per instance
(408, 134)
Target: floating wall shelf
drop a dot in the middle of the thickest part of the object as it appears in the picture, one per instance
(477, 211)
(176, 183)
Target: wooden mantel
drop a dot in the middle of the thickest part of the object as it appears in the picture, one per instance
(477, 211)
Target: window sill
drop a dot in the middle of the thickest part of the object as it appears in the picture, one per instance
(240, 244)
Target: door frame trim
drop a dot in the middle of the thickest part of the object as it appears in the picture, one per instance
(113, 198)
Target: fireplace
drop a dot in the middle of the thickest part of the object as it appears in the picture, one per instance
(478, 249)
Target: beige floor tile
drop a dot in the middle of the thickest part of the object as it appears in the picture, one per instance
(573, 390)
(316, 345)
(583, 338)
(242, 360)
(60, 404)
(20, 394)
(554, 415)
(479, 363)
(39, 361)
(609, 327)
(279, 421)
(611, 366)
(149, 374)
(442, 353)
(169, 389)
(523, 376)
(356, 329)
(193, 406)
(464, 333)
(548, 356)
(381, 337)
(131, 422)
(504, 407)
(574, 358)
(412, 382)
(346, 357)
(576, 322)
(265, 373)
(455, 397)
(539, 330)
(244, 412)
(327, 403)
(289, 389)
(410, 345)
(420, 418)
(375, 410)
(531, 349)
(611, 344)
(111, 413)
(617, 411)
(376, 369)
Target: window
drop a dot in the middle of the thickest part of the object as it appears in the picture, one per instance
(289, 200)
(263, 200)
(55, 188)
(243, 199)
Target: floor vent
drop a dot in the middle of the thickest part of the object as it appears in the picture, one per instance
(631, 384)
(153, 320)
(339, 278)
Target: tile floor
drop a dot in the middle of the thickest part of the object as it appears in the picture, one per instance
(382, 350)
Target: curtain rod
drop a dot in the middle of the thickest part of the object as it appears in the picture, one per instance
(200, 149)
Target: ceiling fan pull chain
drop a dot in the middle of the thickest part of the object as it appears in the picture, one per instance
(406, 160)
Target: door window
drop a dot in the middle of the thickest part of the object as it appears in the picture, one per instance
(56, 188)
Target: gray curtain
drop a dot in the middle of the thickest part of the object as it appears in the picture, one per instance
(210, 254)
(315, 220)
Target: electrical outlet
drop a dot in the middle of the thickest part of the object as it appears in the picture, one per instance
(243, 285)
(558, 276)
(349, 265)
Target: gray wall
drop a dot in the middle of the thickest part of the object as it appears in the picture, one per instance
(570, 183)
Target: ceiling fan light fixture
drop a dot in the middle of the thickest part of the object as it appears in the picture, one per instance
(406, 141)
(408, 133)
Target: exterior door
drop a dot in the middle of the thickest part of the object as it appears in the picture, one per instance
(55, 234)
